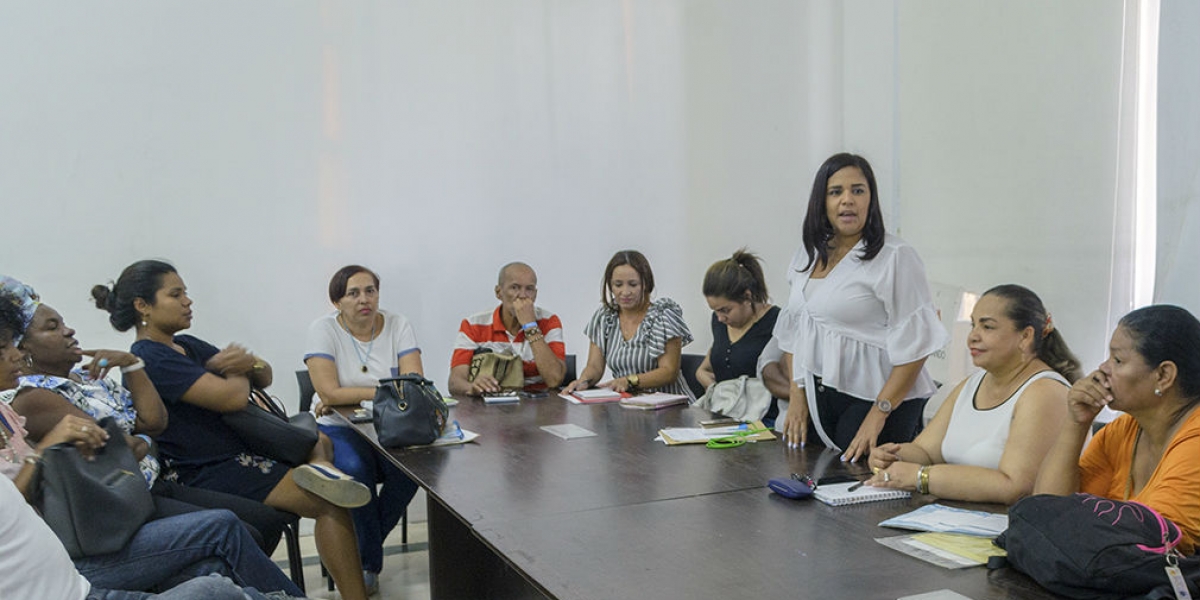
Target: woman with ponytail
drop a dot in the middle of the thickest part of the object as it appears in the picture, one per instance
(742, 321)
(199, 382)
(987, 441)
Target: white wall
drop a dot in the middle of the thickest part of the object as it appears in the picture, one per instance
(262, 146)
(1007, 150)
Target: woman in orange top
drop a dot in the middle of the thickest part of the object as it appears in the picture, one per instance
(1148, 454)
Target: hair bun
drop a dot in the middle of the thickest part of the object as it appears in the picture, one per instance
(104, 297)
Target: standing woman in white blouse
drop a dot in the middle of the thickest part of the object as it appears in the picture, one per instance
(859, 323)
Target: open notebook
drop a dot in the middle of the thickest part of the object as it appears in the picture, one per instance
(839, 494)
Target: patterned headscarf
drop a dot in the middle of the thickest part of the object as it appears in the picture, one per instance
(27, 300)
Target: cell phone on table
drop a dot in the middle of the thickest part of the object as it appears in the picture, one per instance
(361, 415)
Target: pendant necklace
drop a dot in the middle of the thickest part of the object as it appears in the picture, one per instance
(358, 351)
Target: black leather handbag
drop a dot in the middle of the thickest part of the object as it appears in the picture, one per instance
(408, 411)
(94, 505)
(267, 431)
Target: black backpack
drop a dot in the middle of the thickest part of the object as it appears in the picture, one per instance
(1089, 547)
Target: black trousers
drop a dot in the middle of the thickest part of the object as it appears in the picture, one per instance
(264, 523)
(842, 415)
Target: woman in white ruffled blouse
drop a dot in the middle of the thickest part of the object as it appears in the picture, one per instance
(859, 323)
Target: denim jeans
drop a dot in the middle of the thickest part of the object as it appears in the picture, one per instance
(169, 550)
(213, 587)
(374, 521)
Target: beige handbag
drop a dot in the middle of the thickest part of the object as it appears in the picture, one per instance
(744, 398)
(508, 369)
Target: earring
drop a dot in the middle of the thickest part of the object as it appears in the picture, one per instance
(1158, 392)
(143, 320)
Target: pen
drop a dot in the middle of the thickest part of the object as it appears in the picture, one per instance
(856, 486)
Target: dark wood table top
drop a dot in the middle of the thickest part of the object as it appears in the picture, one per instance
(604, 516)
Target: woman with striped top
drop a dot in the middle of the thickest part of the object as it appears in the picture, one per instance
(639, 340)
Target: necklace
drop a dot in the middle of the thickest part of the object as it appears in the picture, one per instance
(358, 350)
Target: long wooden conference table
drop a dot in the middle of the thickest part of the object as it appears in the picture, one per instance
(521, 513)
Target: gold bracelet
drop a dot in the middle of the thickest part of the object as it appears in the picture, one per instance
(923, 479)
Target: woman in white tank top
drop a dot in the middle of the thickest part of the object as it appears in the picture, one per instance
(988, 439)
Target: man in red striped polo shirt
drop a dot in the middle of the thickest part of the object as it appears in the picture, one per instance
(516, 327)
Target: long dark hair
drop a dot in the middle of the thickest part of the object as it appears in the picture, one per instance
(142, 280)
(817, 229)
(732, 277)
(1025, 309)
(1163, 332)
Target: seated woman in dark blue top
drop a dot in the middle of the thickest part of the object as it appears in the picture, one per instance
(742, 321)
(198, 383)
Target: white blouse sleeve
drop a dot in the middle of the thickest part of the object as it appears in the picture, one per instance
(914, 329)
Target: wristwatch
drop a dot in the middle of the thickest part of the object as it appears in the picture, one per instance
(884, 406)
(633, 380)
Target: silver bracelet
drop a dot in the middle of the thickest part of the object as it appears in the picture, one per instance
(137, 366)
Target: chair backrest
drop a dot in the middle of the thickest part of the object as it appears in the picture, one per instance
(688, 363)
(570, 374)
(307, 391)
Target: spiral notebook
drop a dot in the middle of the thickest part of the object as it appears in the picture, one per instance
(840, 494)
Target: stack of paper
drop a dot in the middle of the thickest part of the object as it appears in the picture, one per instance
(653, 401)
(673, 436)
(593, 396)
(944, 519)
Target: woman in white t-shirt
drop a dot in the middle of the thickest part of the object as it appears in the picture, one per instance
(988, 439)
(347, 353)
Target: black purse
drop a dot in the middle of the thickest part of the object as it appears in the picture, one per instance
(408, 411)
(267, 431)
(96, 505)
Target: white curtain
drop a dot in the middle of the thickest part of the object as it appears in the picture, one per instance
(1178, 280)
(1133, 234)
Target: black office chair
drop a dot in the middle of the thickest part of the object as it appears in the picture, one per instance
(570, 374)
(689, 363)
(307, 392)
(291, 538)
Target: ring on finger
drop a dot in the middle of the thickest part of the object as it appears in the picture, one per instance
(887, 477)
(83, 429)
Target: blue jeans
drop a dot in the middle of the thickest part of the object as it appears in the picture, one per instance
(374, 521)
(213, 587)
(173, 549)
